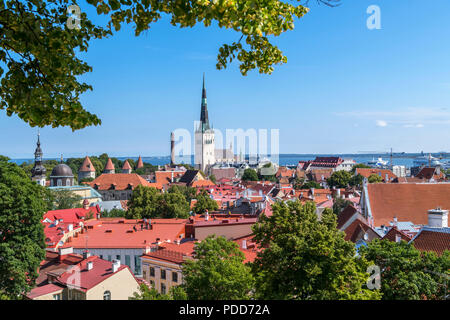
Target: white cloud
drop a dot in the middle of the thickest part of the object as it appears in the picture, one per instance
(381, 123)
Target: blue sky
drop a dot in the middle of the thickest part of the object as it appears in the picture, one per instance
(344, 89)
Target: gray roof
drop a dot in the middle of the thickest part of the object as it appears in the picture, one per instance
(108, 205)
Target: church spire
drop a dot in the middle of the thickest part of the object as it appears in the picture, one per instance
(204, 120)
(38, 172)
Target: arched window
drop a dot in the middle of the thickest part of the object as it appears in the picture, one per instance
(59, 182)
(107, 295)
(68, 182)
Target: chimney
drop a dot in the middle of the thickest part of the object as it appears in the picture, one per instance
(63, 252)
(85, 204)
(244, 244)
(115, 265)
(438, 218)
(86, 254)
(338, 192)
(395, 222)
(398, 238)
(386, 179)
(70, 227)
(89, 265)
(206, 215)
(312, 191)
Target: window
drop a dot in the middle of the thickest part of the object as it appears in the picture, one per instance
(144, 274)
(137, 265)
(152, 283)
(152, 272)
(57, 296)
(59, 182)
(118, 257)
(109, 258)
(101, 256)
(163, 288)
(174, 276)
(107, 295)
(128, 260)
(163, 274)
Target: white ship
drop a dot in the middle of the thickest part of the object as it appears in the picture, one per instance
(378, 163)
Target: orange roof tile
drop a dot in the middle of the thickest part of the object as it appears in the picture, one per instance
(87, 165)
(433, 239)
(126, 165)
(109, 165)
(121, 181)
(406, 201)
(367, 172)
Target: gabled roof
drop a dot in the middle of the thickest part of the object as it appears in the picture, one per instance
(432, 239)
(121, 181)
(393, 232)
(87, 165)
(189, 176)
(165, 177)
(345, 215)
(109, 165)
(430, 173)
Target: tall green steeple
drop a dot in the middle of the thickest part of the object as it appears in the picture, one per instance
(204, 120)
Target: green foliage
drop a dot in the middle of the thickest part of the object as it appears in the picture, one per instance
(212, 178)
(217, 272)
(188, 192)
(145, 293)
(356, 180)
(310, 185)
(39, 65)
(305, 258)
(250, 175)
(375, 178)
(204, 202)
(407, 273)
(114, 213)
(22, 242)
(297, 183)
(65, 199)
(147, 202)
(339, 179)
(340, 204)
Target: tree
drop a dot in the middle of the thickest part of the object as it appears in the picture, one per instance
(188, 192)
(22, 245)
(146, 293)
(148, 202)
(340, 204)
(212, 178)
(250, 175)
(304, 258)
(374, 178)
(204, 202)
(339, 179)
(41, 44)
(143, 203)
(217, 272)
(356, 180)
(114, 213)
(65, 199)
(298, 182)
(407, 273)
(311, 185)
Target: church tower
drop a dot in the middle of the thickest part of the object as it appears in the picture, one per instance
(38, 173)
(204, 138)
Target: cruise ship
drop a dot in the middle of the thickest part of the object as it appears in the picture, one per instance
(378, 163)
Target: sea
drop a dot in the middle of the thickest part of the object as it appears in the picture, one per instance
(402, 159)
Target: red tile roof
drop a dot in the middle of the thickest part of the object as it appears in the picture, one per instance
(140, 164)
(345, 215)
(109, 165)
(202, 183)
(430, 173)
(165, 177)
(126, 165)
(327, 162)
(84, 279)
(87, 165)
(406, 201)
(119, 233)
(433, 239)
(367, 172)
(393, 232)
(121, 181)
(172, 252)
